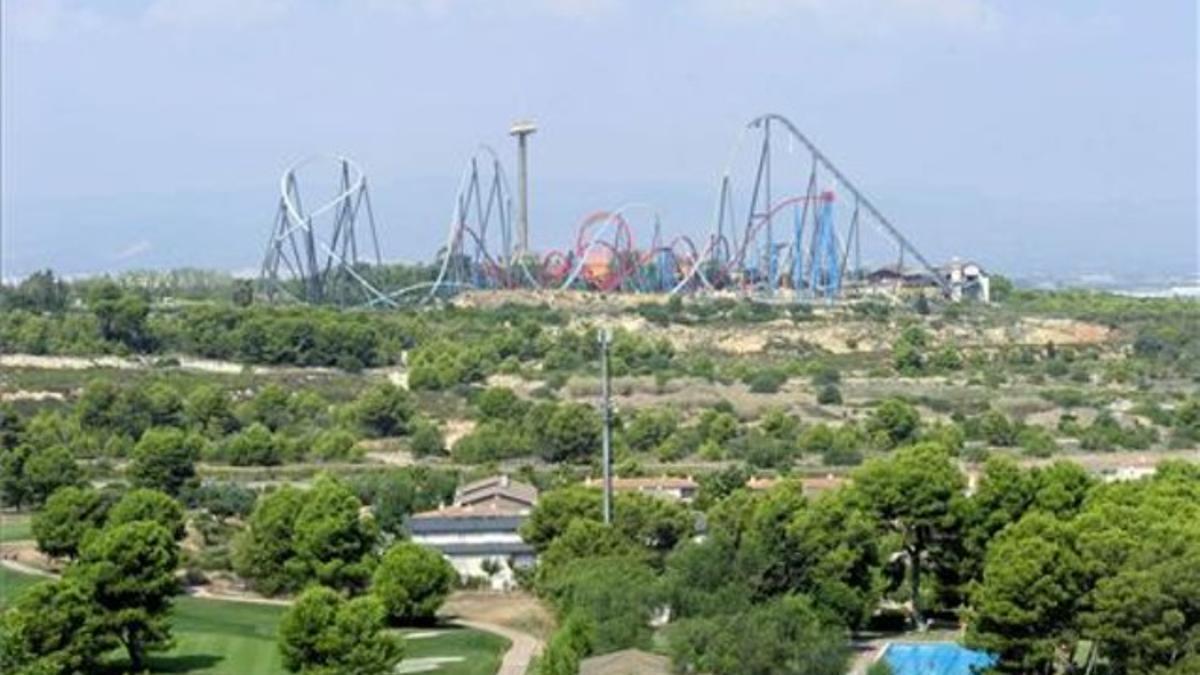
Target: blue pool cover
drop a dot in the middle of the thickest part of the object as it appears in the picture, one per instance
(935, 658)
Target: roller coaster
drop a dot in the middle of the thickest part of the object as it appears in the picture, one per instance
(787, 225)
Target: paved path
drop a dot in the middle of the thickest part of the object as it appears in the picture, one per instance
(18, 566)
(524, 646)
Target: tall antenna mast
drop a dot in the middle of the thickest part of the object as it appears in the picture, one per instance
(605, 339)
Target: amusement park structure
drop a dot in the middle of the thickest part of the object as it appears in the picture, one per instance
(787, 226)
(313, 253)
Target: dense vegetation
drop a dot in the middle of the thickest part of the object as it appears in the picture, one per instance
(1037, 561)
(269, 476)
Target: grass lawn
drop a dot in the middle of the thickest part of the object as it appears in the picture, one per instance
(214, 636)
(15, 526)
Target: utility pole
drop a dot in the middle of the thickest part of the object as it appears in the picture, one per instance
(522, 129)
(605, 339)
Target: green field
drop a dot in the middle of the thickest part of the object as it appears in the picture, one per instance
(231, 638)
(15, 526)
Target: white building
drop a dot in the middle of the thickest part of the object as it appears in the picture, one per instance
(967, 280)
(481, 530)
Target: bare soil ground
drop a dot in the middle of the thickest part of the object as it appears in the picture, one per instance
(518, 611)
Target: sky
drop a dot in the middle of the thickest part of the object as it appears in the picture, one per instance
(1040, 138)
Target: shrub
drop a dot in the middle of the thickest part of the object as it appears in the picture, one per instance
(336, 444)
(829, 395)
(766, 381)
(427, 439)
(253, 446)
(384, 410)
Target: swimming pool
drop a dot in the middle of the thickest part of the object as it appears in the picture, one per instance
(935, 658)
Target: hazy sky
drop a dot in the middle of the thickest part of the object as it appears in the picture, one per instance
(1035, 136)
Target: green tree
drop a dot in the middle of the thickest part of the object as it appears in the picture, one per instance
(412, 582)
(271, 406)
(500, 403)
(1031, 586)
(998, 429)
(164, 404)
(14, 490)
(12, 426)
(165, 459)
(572, 433)
(582, 540)
(335, 444)
(895, 422)
(656, 525)
(384, 410)
(122, 315)
(785, 636)
(254, 446)
(333, 542)
(718, 426)
(650, 427)
(265, 553)
(908, 351)
(1000, 288)
(149, 505)
(829, 395)
(52, 628)
(323, 633)
(68, 515)
(209, 410)
(39, 292)
(395, 494)
(226, 499)
(946, 359)
(1145, 616)
(44, 471)
(915, 494)
(567, 647)
(1138, 543)
(491, 441)
(131, 571)
(614, 595)
(427, 439)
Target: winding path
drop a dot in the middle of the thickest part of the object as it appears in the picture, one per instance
(520, 653)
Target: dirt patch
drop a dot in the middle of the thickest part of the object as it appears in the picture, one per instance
(388, 451)
(456, 429)
(13, 396)
(26, 554)
(140, 363)
(519, 611)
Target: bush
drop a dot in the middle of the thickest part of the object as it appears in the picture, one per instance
(336, 444)
(829, 395)
(650, 427)
(427, 439)
(500, 403)
(491, 441)
(384, 410)
(412, 581)
(766, 381)
(253, 446)
(225, 500)
(1037, 441)
(895, 422)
